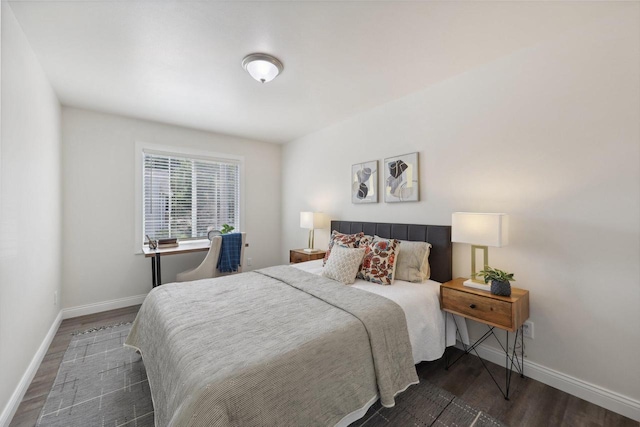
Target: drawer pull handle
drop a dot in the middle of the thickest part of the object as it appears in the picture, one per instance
(472, 306)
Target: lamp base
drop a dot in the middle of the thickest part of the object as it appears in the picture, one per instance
(311, 250)
(482, 286)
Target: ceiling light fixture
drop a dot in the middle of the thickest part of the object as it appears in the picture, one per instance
(262, 67)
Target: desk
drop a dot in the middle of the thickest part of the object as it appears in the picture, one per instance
(184, 248)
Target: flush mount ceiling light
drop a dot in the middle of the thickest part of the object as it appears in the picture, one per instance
(262, 67)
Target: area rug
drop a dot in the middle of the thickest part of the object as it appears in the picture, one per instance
(426, 405)
(102, 383)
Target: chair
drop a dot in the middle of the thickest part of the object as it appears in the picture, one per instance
(208, 268)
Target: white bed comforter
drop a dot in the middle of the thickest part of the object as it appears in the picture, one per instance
(421, 306)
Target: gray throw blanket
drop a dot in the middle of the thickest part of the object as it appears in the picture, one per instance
(277, 346)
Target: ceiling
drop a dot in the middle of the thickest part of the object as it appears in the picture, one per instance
(180, 62)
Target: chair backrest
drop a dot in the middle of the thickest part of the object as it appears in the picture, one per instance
(244, 239)
(210, 262)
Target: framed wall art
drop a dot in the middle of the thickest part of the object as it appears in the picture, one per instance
(401, 178)
(364, 182)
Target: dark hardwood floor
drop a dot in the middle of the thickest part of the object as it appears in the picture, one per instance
(532, 403)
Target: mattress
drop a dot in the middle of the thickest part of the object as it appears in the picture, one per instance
(421, 305)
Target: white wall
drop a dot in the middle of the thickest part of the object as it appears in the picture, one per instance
(549, 135)
(99, 201)
(30, 207)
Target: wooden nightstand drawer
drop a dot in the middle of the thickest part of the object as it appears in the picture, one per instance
(478, 307)
(299, 255)
(295, 257)
(504, 312)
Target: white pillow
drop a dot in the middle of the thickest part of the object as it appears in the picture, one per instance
(343, 264)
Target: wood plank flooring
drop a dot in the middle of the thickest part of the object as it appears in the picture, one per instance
(532, 403)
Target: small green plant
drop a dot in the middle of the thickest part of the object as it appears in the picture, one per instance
(226, 228)
(489, 274)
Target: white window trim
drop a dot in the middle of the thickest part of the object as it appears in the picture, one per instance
(141, 146)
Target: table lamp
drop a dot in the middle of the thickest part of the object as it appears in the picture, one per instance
(311, 221)
(481, 230)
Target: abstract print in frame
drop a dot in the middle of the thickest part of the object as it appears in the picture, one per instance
(364, 182)
(401, 178)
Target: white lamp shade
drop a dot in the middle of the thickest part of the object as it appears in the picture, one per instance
(482, 229)
(311, 220)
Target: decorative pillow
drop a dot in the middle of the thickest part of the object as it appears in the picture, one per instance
(346, 240)
(379, 263)
(365, 240)
(343, 264)
(413, 261)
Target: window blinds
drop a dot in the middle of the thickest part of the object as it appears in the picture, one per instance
(184, 197)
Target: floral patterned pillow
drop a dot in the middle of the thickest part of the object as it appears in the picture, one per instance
(379, 263)
(366, 240)
(346, 240)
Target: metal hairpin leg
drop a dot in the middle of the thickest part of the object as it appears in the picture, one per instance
(511, 359)
(158, 274)
(153, 272)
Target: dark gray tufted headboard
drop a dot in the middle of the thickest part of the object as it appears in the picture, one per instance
(438, 235)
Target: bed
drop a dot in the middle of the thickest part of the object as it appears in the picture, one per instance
(421, 306)
(285, 346)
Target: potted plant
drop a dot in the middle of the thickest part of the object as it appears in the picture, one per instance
(500, 280)
(226, 229)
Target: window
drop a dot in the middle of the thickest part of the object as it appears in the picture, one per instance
(186, 195)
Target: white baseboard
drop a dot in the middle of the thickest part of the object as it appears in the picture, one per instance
(12, 406)
(608, 399)
(83, 310)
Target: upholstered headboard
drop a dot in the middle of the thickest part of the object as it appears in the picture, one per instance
(438, 235)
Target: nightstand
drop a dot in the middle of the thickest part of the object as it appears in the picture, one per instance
(300, 255)
(506, 313)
